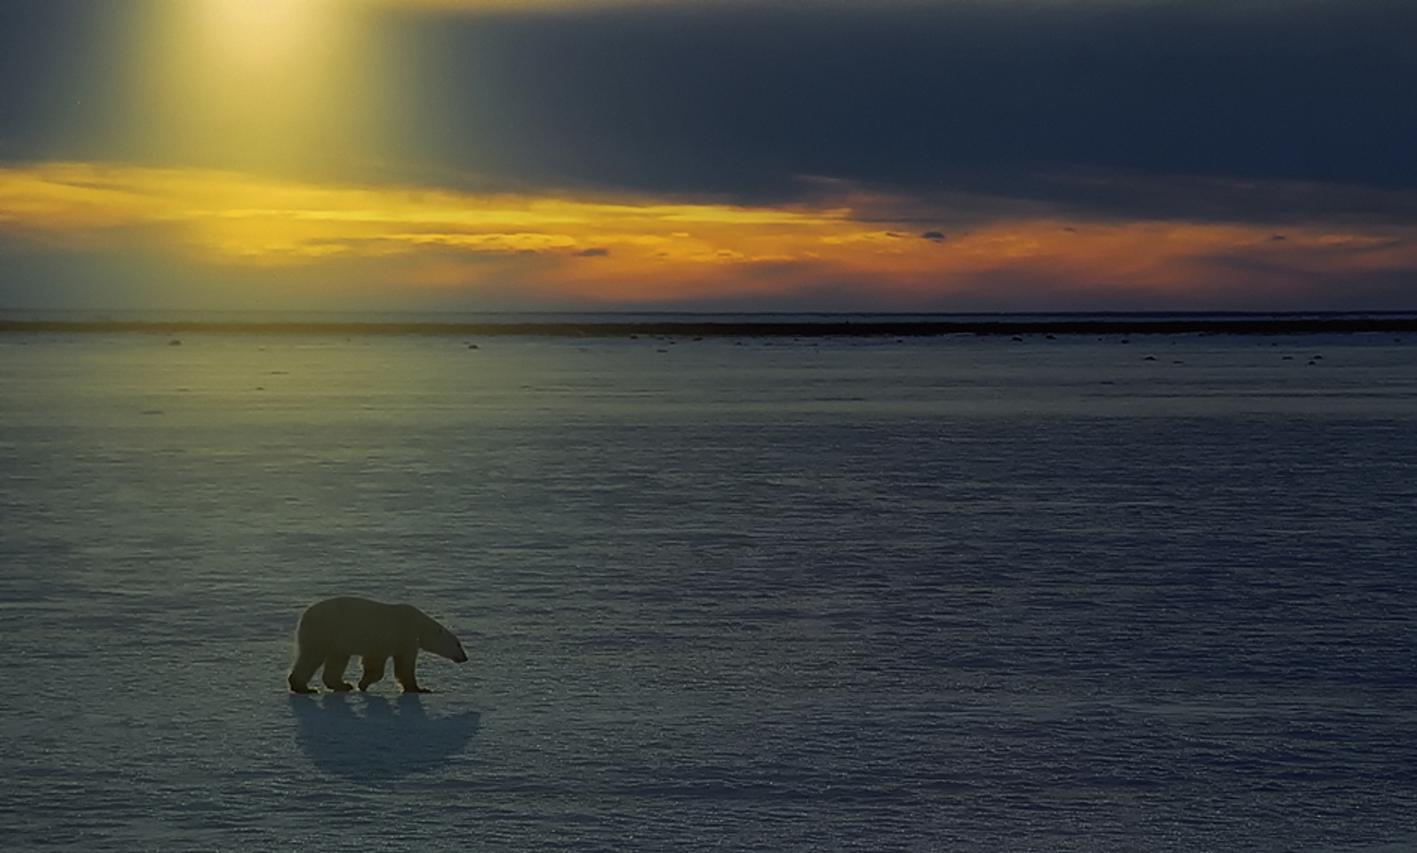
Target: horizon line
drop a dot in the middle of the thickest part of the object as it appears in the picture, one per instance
(1267, 323)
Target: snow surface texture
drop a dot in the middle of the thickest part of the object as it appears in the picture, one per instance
(967, 594)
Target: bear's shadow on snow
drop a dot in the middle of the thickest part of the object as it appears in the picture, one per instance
(369, 738)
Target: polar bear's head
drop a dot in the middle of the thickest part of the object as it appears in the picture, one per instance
(434, 638)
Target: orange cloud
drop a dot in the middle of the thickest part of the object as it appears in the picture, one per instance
(635, 249)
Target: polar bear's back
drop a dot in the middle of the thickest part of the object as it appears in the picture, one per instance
(357, 626)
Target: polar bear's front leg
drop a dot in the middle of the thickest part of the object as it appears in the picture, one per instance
(403, 672)
(373, 671)
(334, 673)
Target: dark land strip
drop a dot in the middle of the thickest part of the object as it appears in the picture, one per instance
(766, 328)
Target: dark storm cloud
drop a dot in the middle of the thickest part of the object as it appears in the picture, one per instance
(62, 76)
(934, 236)
(1235, 110)
(996, 98)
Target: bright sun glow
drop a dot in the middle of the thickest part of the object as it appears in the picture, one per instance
(265, 82)
(257, 34)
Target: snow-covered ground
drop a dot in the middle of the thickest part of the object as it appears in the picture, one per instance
(961, 593)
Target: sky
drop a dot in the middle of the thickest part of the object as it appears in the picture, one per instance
(802, 155)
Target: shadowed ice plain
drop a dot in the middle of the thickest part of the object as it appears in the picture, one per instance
(963, 593)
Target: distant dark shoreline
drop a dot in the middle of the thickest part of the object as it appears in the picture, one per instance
(1114, 325)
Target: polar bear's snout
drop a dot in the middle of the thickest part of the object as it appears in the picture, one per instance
(446, 644)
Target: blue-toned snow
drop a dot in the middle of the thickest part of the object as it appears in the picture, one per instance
(940, 594)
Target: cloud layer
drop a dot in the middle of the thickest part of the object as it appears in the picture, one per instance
(636, 250)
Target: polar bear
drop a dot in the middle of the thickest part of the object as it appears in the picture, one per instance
(333, 630)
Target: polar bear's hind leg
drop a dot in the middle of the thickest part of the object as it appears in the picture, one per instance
(301, 672)
(334, 673)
